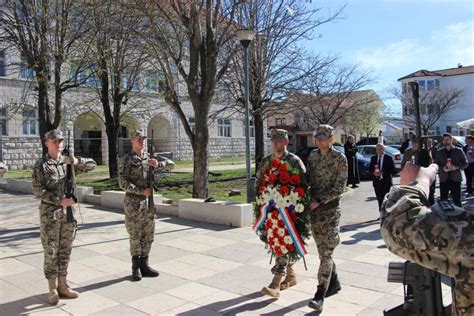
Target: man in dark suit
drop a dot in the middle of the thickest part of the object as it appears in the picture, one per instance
(450, 160)
(383, 169)
(417, 155)
(469, 171)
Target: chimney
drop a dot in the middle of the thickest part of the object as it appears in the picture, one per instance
(459, 65)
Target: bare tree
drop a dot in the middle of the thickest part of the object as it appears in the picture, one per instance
(433, 105)
(365, 118)
(277, 63)
(193, 43)
(45, 34)
(118, 62)
(329, 95)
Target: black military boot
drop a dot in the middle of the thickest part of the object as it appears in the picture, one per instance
(334, 286)
(318, 300)
(146, 270)
(136, 275)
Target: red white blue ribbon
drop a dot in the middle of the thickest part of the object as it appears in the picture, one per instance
(261, 219)
(295, 236)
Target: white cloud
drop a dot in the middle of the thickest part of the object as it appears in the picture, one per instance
(444, 48)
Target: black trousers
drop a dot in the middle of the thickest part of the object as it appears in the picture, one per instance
(452, 187)
(469, 172)
(381, 190)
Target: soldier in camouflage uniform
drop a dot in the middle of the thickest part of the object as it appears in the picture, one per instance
(327, 177)
(139, 218)
(283, 267)
(57, 234)
(437, 239)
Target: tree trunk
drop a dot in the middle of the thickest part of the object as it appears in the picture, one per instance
(259, 138)
(43, 115)
(200, 157)
(112, 141)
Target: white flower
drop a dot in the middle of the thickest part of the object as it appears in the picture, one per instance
(287, 240)
(281, 231)
(269, 215)
(299, 208)
(275, 222)
(275, 242)
(293, 198)
(281, 202)
(272, 193)
(270, 233)
(283, 250)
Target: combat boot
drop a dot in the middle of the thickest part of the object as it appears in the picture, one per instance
(146, 270)
(53, 296)
(273, 289)
(290, 279)
(318, 300)
(64, 290)
(136, 275)
(334, 286)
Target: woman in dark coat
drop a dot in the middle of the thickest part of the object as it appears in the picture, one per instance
(350, 150)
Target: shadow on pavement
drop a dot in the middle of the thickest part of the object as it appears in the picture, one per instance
(357, 237)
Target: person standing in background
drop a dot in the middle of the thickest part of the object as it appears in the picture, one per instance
(350, 150)
(469, 171)
(383, 169)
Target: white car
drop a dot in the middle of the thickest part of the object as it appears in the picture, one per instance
(369, 150)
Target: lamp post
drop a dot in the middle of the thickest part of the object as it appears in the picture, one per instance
(246, 36)
(415, 89)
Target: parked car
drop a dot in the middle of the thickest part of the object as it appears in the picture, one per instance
(362, 162)
(369, 150)
(368, 141)
(399, 148)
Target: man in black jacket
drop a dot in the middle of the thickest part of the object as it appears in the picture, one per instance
(383, 169)
(469, 171)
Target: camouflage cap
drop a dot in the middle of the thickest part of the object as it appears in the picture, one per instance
(278, 134)
(54, 134)
(324, 132)
(139, 133)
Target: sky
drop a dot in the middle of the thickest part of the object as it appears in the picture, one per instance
(394, 38)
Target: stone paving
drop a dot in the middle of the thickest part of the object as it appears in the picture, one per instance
(205, 269)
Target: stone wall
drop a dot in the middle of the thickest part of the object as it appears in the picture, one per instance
(20, 152)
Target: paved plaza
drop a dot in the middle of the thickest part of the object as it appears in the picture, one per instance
(205, 269)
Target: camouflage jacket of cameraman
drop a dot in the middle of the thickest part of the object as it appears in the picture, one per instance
(49, 177)
(432, 237)
(327, 176)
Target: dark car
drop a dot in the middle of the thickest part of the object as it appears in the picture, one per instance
(368, 141)
(362, 162)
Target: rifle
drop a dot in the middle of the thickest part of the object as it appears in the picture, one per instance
(151, 176)
(70, 183)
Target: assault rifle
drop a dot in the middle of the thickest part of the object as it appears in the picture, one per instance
(70, 183)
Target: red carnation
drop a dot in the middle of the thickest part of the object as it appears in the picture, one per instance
(285, 178)
(272, 178)
(268, 224)
(280, 223)
(275, 214)
(264, 182)
(275, 163)
(275, 232)
(267, 170)
(300, 192)
(270, 241)
(284, 190)
(295, 179)
(261, 189)
(291, 248)
(283, 168)
(280, 240)
(278, 251)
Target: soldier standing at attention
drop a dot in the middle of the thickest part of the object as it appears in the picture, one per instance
(327, 174)
(437, 237)
(57, 235)
(139, 218)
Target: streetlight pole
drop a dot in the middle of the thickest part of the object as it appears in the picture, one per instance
(246, 36)
(415, 89)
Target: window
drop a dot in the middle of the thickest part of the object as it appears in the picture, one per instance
(405, 88)
(430, 84)
(436, 83)
(136, 81)
(192, 124)
(3, 121)
(26, 72)
(224, 128)
(280, 122)
(2, 63)
(449, 129)
(422, 85)
(29, 122)
(251, 127)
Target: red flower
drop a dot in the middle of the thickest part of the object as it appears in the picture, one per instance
(278, 251)
(284, 178)
(261, 189)
(300, 192)
(264, 182)
(270, 241)
(280, 240)
(275, 163)
(275, 232)
(272, 178)
(283, 168)
(275, 214)
(284, 190)
(291, 248)
(280, 223)
(295, 179)
(267, 170)
(268, 224)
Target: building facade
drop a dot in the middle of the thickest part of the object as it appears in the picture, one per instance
(461, 77)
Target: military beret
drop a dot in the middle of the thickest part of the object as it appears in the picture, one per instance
(139, 133)
(324, 132)
(54, 134)
(278, 134)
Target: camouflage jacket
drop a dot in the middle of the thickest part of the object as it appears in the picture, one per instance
(292, 159)
(327, 175)
(49, 177)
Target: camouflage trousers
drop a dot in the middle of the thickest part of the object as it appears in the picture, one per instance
(281, 263)
(433, 238)
(57, 236)
(325, 230)
(140, 224)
